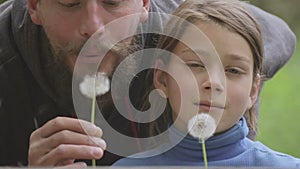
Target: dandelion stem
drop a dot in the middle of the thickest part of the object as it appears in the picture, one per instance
(204, 153)
(93, 110)
(93, 118)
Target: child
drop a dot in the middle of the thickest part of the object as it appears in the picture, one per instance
(219, 77)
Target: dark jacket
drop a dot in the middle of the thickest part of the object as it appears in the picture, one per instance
(27, 100)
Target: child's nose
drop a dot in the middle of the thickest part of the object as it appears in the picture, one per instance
(213, 84)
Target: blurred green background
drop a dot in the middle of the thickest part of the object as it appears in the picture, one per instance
(279, 119)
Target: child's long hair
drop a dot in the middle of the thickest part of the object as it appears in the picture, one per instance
(230, 14)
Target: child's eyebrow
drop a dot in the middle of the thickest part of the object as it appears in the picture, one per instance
(239, 57)
(198, 51)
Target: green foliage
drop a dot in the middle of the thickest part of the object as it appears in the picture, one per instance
(280, 109)
(280, 104)
(286, 10)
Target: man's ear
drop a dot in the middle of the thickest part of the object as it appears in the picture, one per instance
(160, 78)
(145, 10)
(254, 91)
(33, 8)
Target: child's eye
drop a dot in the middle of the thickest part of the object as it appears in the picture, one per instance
(234, 71)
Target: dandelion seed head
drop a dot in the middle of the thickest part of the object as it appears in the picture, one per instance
(97, 85)
(202, 126)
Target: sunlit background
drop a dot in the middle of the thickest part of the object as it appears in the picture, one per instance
(279, 118)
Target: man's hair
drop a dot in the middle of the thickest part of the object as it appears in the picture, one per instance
(229, 14)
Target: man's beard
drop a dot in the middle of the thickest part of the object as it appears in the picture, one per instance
(61, 72)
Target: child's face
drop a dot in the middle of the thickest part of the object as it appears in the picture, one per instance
(223, 87)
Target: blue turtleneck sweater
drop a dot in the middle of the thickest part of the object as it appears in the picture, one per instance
(231, 148)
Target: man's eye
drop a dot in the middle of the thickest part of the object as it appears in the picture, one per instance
(70, 5)
(195, 65)
(112, 3)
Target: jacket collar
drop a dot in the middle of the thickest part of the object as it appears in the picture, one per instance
(222, 146)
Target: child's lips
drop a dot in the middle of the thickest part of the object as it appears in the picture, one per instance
(208, 107)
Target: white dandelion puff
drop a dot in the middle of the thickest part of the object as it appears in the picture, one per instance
(202, 126)
(94, 85)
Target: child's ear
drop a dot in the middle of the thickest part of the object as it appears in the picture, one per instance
(160, 78)
(254, 91)
(145, 10)
(33, 8)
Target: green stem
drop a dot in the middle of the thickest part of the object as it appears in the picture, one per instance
(204, 153)
(93, 119)
(93, 163)
(93, 110)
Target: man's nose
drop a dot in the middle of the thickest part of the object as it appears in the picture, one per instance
(93, 20)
